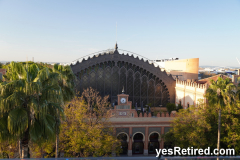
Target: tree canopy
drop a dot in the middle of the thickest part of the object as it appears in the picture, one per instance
(32, 97)
(197, 126)
(87, 130)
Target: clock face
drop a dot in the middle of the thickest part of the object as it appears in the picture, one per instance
(123, 100)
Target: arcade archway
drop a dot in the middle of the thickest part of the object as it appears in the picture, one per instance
(123, 137)
(153, 143)
(138, 145)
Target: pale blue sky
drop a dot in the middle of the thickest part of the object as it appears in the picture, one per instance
(64, 30)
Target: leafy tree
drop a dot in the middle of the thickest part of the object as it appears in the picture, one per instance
(41, 149)
(197, 127)
(221, 94)
(169, 139)
(8, 148)
(87, 130)
(231, 128)
(66, 81)
(30, 98)
(179, 107)
(170, 107)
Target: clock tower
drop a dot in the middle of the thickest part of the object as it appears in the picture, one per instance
(123, 101)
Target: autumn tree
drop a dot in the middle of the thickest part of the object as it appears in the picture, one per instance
(86, 130)
(8, 149)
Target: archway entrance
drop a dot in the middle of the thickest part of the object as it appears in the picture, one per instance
(138, 145)
(124, 144)
(153, 143)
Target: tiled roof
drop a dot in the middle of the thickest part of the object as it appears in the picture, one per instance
(207, 80)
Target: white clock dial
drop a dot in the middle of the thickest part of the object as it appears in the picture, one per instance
(123, 100)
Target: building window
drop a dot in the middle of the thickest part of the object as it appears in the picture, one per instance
(109, 79)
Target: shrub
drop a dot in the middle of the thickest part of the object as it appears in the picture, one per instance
(170, 107)
(179, 107)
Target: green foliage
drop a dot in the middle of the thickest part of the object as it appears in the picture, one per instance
(86, 131)
(193, 128)
(8, 148)
(221, 93)
(179, 106)
(198, 127)
(169, 140)
(171, 107)
(31, 101)
(42, 149)
(149, 104)
(138, 112)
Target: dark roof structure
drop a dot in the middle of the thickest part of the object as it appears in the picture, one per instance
(116, 58)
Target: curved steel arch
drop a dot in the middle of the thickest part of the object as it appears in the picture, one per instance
(118, 61)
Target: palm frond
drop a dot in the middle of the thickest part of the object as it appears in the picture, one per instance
(4, 133)
(17, 121)
(36, 130)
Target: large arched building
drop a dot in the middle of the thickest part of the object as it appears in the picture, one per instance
(143, 83)
(110, 72)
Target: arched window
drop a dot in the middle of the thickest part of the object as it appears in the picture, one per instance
(110, 77)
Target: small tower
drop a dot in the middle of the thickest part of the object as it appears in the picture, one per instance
(116, 46)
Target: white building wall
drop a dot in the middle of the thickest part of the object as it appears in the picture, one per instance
(189, 93)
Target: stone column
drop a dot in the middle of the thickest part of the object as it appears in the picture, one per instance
(145, 152)
(130, 142)
(161, 144)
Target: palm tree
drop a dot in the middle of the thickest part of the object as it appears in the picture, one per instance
(29, 100)
(66, 81)
(221, 94)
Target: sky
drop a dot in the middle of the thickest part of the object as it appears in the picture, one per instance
(64, 30)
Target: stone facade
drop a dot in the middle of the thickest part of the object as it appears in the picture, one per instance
(142, 131)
